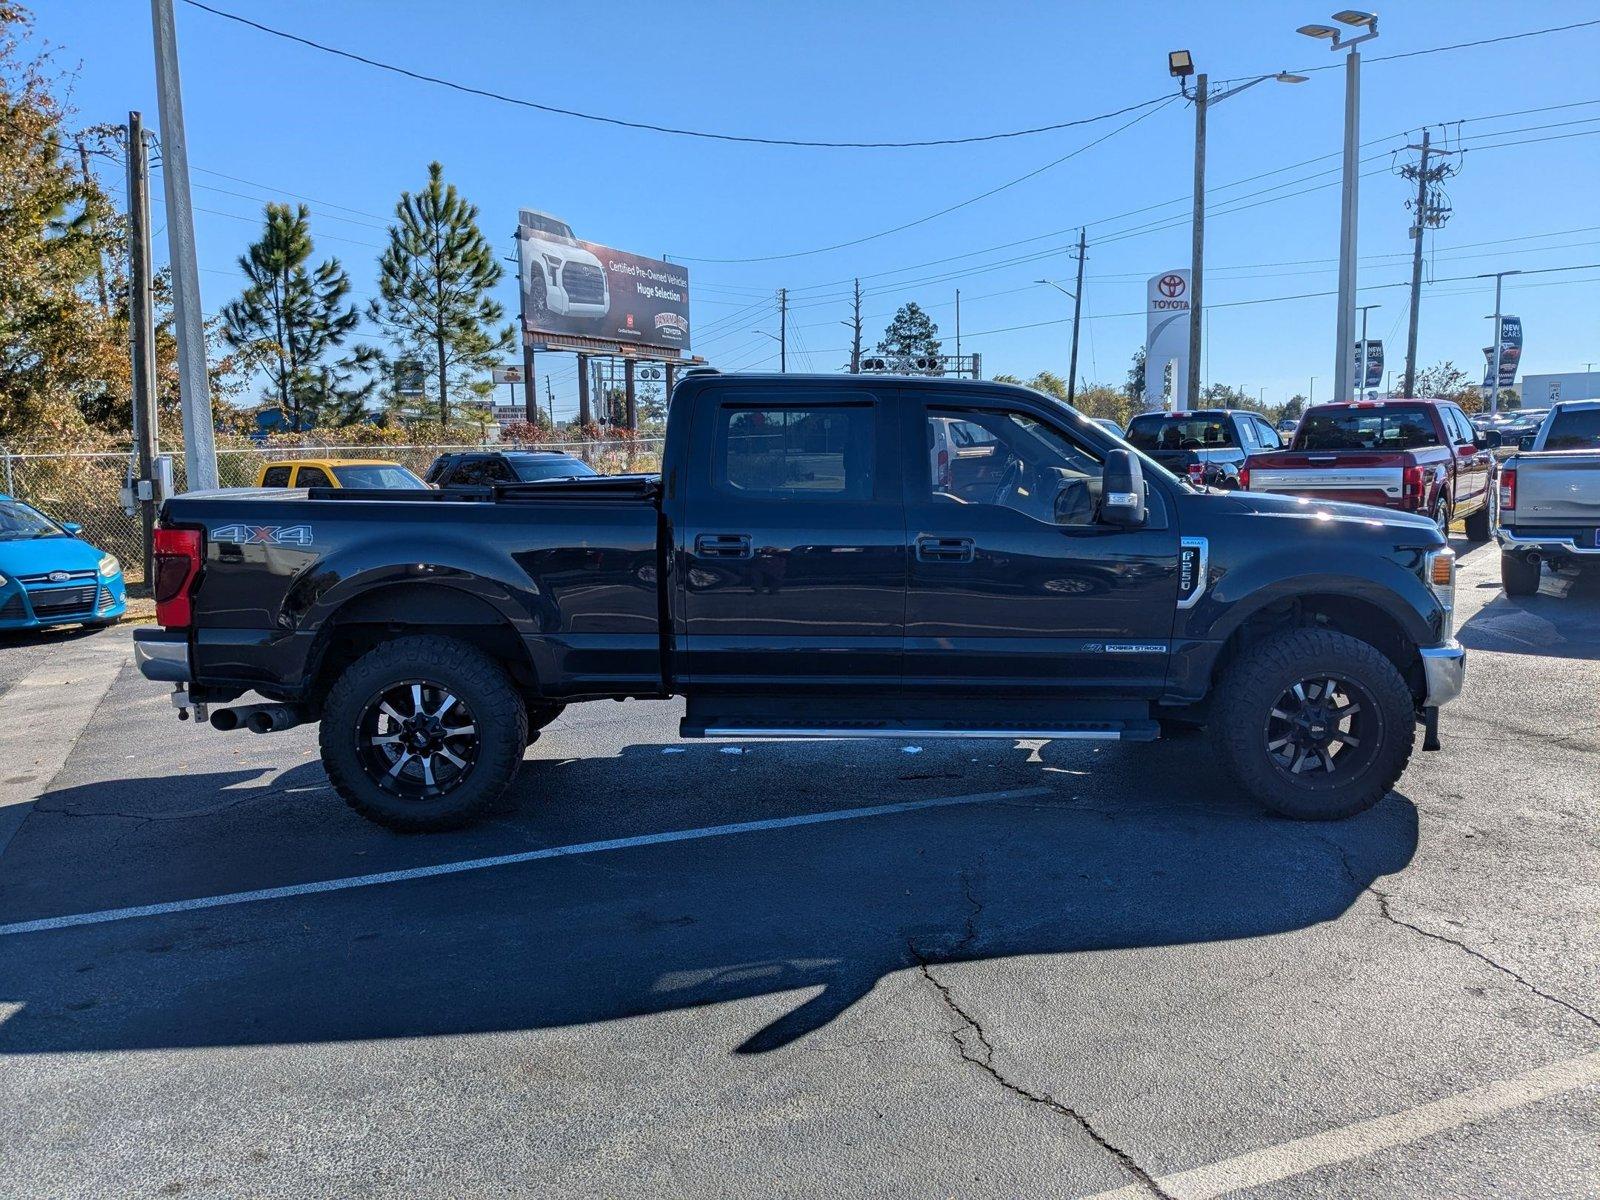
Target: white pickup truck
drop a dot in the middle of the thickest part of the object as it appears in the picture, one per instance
(1550, 498)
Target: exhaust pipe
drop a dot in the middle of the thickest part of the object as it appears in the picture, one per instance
(271, 718)
(225, 719)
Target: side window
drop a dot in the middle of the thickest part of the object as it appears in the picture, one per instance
(1249, 435)
(1461, 428)
(1268, 436)
(275, 477)
(498, 470)
(1029, 467)
(471, 472)
(772, 452)
(437, 470)
(312, 477)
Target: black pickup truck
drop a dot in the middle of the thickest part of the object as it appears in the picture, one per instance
(811, 562)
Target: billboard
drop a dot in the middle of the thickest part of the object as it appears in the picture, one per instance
(579, 289)
(1166, 341)
(1510, 353)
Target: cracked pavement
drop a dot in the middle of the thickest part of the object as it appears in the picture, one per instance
(1095, 989)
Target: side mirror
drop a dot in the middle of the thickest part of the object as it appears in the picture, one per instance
(72, 527)
(1490, 439)
(1122, 494)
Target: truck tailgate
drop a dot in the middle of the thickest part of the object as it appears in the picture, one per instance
(1560, 487)
(1358, 476)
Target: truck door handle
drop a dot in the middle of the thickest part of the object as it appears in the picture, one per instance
(723, 545)
(944, 549)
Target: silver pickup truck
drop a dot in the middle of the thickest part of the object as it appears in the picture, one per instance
(1549, 508)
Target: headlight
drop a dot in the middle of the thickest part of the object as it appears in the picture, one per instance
(109, 565)
(2, 581)
(1440, 568)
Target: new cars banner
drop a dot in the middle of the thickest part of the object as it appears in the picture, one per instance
(581, 289)
(1510, 353)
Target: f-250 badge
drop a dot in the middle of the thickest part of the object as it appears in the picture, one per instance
(270, 535)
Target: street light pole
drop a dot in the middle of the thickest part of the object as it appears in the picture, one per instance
(1180, 64)
(1361, 379)
(1349, 204)
(1494, 371)
(1077, 303)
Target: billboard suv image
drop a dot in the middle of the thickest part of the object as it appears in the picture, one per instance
(574, 288)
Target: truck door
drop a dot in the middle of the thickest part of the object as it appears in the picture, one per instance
(793, 544)
(1014, 589)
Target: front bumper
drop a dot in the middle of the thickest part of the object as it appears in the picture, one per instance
(1444, 668)
(162, 655)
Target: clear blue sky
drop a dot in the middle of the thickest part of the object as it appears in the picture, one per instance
(351, 137)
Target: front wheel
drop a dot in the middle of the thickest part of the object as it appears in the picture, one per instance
(1314, 724)
(1477, 524)
(422, 733)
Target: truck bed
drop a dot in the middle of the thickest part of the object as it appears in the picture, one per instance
(1558, 487)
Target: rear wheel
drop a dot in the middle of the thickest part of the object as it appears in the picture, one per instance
(1441, 514)
(422, 733)
(1316, 725)
(1517, 575)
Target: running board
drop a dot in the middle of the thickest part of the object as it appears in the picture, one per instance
(1126, 731)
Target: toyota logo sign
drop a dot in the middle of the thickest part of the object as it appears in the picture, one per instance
(1171, 285)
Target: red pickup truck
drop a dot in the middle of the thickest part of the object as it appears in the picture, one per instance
(1420, 456)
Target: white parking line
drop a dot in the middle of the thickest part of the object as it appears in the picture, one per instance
(504, 860)
(1368, 1137)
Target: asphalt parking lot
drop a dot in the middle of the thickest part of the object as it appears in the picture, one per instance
(955, 969)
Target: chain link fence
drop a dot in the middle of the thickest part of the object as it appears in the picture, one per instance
(87, 488)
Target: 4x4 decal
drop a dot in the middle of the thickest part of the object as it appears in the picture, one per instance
(271, 535)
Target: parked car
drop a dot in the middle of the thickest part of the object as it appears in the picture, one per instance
(483, 468)
(1207, 445)
(1287, 426)
(1420, 456)
(1512, 426)
(51, 576)
(1550, 498)
(801, 569)
(337, 473)
(1109, 426)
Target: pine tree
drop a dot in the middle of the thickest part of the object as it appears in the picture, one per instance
(433, 282)
(912, 334)
(295, 317)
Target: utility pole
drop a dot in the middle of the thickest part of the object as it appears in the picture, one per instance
(1077, 311)
(550, 397)
(1428, 213)
(958, 328)
(583, 391)
(141, 322)
(99, 259)
(855, 328)
(194, 388)
(783, 331)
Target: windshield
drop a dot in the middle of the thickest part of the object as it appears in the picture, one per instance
(1574, 431)
(532, 470)
(1166, 431)
(548, 225)
(1385, 428)
(370, 476)
(19, 523)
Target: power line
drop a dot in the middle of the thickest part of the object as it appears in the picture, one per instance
(668, 129)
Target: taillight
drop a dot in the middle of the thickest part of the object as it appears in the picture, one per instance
(1197, 473)
(1244, 477)
(177, 566)
(946, 477)
(1416, 480)
(1508, 488)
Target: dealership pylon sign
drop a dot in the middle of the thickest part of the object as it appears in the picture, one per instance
(1166, 342)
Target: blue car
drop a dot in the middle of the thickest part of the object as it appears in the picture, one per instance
(48, 576)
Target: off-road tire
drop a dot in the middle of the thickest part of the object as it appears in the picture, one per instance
(1517, 575)
(1251, 686)
(496, 708)
(1478, 524)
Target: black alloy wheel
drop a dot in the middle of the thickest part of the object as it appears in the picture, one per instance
(417, 739)
(1323, 726)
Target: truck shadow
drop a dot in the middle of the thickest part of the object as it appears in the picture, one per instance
(827, 910)
(1561, 620)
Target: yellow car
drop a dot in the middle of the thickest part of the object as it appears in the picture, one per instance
(337, 473)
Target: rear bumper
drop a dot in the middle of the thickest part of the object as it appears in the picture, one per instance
(162, 655)
(1543, 544)
(1444, 668)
